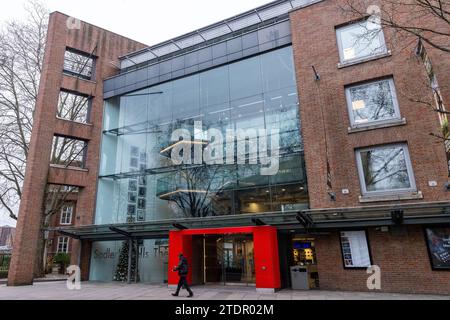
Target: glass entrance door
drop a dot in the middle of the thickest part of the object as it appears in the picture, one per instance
(229, 259)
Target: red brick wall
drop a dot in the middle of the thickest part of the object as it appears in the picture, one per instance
(401, 255)
(315, 44)
(109, 47)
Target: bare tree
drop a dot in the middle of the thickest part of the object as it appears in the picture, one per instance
(427, 20)
(21, 56)
(419, 24)
(195, 189)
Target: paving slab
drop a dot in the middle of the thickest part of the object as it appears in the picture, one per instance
(122, 291)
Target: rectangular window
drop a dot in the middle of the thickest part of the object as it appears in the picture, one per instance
(383, 170)
(68, 152)
(373, 102)
(66, 214)
(360, 40)
(79, 64)
(63, 244)
(355, 249)
(438, 241)
(73, 107)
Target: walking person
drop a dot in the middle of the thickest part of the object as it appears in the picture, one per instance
(183, 270)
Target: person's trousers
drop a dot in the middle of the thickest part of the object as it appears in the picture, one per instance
(183, 283)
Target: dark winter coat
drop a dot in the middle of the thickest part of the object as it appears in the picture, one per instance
(183, 267)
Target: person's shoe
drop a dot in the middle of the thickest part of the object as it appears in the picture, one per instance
(175, 294)
(190, 295)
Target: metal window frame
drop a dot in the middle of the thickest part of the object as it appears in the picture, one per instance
(393, 91)
(267, 12)
(386, 192)
(89, 56)
(358, 23)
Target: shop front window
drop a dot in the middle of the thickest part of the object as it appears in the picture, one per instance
(149, 263)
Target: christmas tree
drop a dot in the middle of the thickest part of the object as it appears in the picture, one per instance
(122, 265)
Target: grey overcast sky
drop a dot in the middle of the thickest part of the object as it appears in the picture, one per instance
(147, 21)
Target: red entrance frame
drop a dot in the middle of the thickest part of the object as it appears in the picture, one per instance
(265, 243)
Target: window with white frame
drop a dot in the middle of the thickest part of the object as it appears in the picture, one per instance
(385, 169)
(372, 102)
(360, 40)
(63, 244)
(66, 214)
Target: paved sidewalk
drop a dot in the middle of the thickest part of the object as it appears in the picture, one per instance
(119, 291)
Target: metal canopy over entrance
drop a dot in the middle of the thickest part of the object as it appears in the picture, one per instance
(383, 215)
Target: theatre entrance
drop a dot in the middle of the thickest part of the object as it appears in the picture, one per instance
(223, 259)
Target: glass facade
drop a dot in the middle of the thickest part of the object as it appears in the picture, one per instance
(138, 179)
(109, 261)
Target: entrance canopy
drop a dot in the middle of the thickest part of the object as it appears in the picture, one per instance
(314, 219)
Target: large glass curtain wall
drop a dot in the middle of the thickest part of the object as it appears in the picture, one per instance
(139, 181)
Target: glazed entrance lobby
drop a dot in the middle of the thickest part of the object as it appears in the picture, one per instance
(149, 209)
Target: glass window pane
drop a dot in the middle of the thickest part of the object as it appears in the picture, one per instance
(385, 169)
(372, 102)
(68, 152)
(73, 107)
(78, 64)
(255, 93)
(361, 40)
(245, 78)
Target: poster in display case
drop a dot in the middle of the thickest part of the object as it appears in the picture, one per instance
(355, 249)
(438, 242)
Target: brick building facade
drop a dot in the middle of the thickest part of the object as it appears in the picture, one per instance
(333, 145)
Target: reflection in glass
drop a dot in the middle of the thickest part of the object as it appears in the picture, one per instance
(373, 102)
(256, 93)
(361, 40)
(385, 169)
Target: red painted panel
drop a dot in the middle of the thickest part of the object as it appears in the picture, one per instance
(267, 267)
(178, 243)
(175, 246)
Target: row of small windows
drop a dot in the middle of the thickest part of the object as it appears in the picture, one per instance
(384, 169)
(75, 107)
